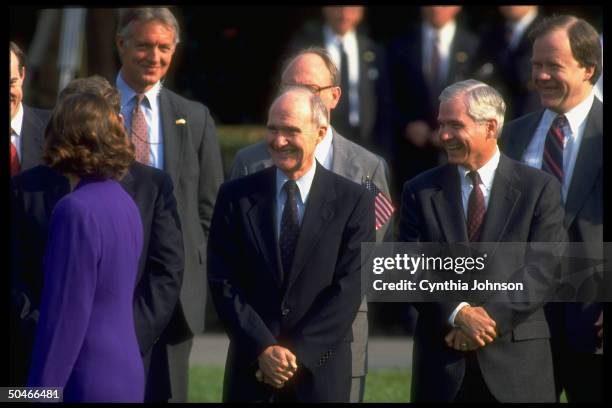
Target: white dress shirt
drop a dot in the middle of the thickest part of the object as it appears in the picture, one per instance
(324, 152)
(446, 35)
(487, 175)
(573, 131)
(349, 42)
(16, 125)
(304, 183)
(151, 110)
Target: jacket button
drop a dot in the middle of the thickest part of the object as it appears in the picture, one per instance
(285, 311)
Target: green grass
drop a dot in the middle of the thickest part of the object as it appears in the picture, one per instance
(385, 385)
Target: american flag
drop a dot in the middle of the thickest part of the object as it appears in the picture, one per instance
(383, 208)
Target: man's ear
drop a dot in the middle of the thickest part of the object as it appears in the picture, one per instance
(336, 95)
(492, 128)
(120, 43)
(589, 72)
(321, 133)
(23, 74)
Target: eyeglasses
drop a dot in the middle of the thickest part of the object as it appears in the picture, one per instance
(315, 89)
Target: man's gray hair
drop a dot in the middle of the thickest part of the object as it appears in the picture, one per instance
(318, 110)
(145, 14)
(482, 101)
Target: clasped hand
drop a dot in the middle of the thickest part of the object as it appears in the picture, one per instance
(277, 365)
(475, 329)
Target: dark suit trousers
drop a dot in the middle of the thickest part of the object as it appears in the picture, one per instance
(473, 388)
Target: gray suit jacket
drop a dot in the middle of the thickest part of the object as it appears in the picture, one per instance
(193, 160)
(354, 163)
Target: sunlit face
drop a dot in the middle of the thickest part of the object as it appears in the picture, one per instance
(467, 142)
(310, 70)
(343, 19)
(146, 54)
(439, 16)
(15, 85)
(560, 80)
(292, 136)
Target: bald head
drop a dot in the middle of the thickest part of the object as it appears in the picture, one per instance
(297, 122)
(314, 69)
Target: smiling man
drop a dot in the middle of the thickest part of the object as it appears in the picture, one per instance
(176, 135)
(565, 139)
(481, 351)
(289, 299)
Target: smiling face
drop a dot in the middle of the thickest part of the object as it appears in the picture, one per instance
(560, 80)
(467, 142)
(146, 53)
(15, 85)
(292, 136)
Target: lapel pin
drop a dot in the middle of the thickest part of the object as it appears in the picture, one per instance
(180, 121)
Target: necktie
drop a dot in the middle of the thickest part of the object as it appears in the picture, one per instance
(476, 208)
(552, 162)
(15, 165)
(290, 226)
(434, 62)
(508, 31)
(140, 132)
(340, 115)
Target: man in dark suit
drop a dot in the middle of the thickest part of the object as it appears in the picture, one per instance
(27, 124)
(363, 112)
(504, 59)
(34, 194)
(314, 68)
(427, 58)
(494, 351)
(178, 136)
(289, 299)
(566, 63)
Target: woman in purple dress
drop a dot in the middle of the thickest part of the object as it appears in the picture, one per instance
(86, 339)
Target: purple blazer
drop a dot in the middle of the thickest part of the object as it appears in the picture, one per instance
(86, 339)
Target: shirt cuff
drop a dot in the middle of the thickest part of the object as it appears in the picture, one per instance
(451, 319)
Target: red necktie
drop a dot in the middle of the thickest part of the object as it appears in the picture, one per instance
(552, 162)
(15, 165)
(140, 132)
(476, 208)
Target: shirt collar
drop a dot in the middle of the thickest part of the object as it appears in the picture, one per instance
(577, 115)
(486, 172)
(322, 149)
(127, 93)
(348, 40)
(17, 121)
(304, 183)
(446, 33)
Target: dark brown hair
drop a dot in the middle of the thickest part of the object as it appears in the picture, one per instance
(85, 137)
(21, 58)
(583, 39)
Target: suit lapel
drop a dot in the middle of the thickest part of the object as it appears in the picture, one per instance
(502, 203)
(261, 219)
(319, 210)
(517, 143)
(588, 163)
(175, 136)
(342, 162)
(448, 207)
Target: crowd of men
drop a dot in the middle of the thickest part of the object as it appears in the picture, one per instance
(497, 139)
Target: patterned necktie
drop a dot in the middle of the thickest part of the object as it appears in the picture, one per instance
(140, 132)
(290, 226)
(15, 165)
(476, 208)
(552, 162)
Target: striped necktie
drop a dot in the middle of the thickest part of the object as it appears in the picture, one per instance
(552, 162)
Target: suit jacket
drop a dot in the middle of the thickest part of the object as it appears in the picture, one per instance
(34, 194)
(414, 99)
(508, 71)
(33, 136)
(524, 206)
(583, 207)
(374, 131)
(193, 160)
(311, 308)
